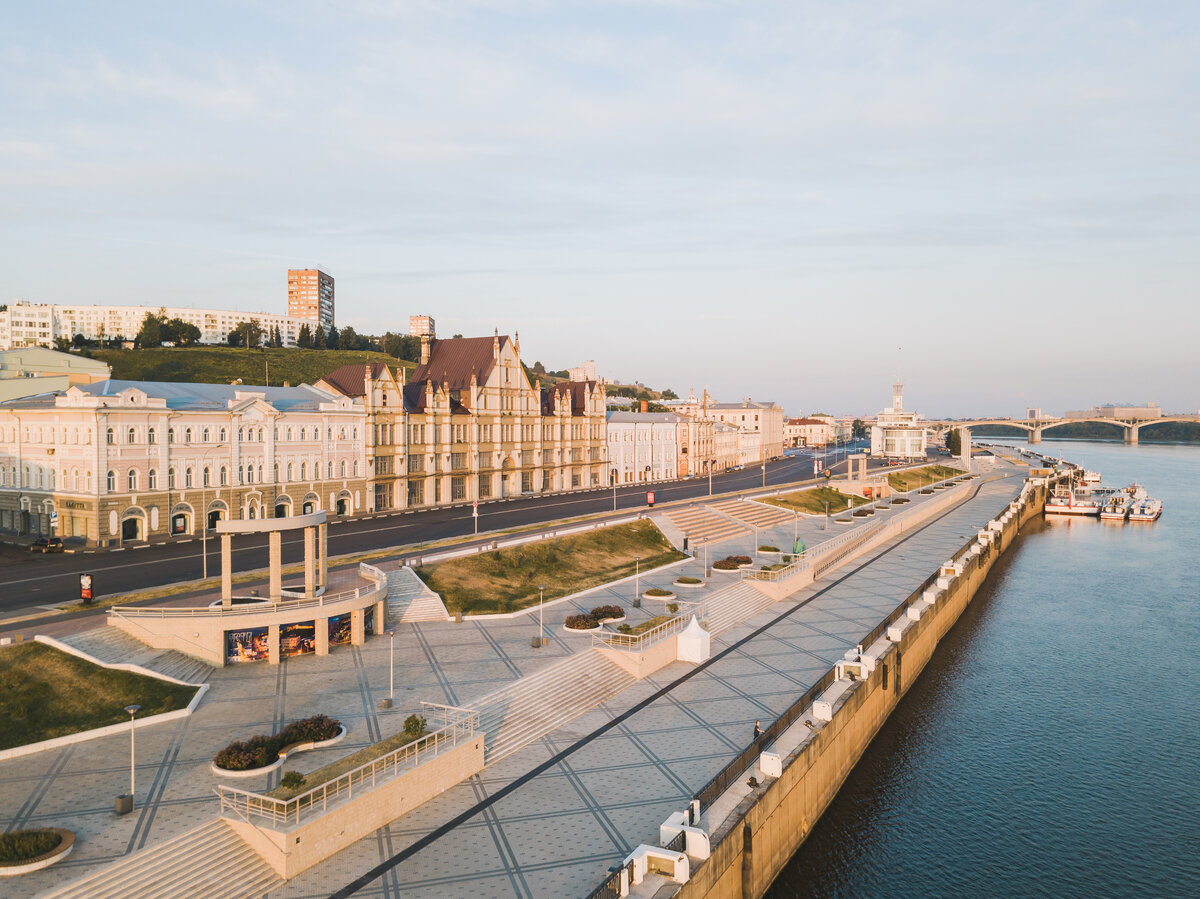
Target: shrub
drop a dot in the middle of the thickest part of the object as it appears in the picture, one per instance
(610, 611)
(658, 591)
(293, 780)
(22, 845)
(625, 628)
(729, 563)
(414, 726)
(581, 622)
(688, 580)
(786, 559)
(768, 549)
(262, 750)
(672, 607)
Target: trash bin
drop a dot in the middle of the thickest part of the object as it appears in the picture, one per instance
(123, 804)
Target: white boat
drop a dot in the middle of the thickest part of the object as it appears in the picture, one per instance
(1065, 502)
(1116, 507)
(1091, 477)
(1145, 509)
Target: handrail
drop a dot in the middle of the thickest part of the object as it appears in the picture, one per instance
(283, 812)
(638, 642)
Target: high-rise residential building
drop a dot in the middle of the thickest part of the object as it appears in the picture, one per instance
(422, 326)
(310, 296)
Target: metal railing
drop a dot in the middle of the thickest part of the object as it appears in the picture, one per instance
(677, 843)
(639, 642)
(610, 888)
(460, 725)
(284, 605)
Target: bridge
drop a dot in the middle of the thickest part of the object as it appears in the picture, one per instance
(1035, 427)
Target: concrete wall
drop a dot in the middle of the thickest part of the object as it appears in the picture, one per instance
(761, 836)
(291, 851)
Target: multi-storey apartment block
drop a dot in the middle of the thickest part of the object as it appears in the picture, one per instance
(310, 296)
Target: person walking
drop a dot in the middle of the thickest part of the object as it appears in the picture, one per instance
(758, 729)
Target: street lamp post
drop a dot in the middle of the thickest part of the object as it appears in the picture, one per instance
(711, 465)
(125, 803)
(387, 703)
(541, 630)
(755, 542)
(764, 469)
(637, 582)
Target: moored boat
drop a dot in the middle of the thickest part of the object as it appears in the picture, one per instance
(1116, 507)
(1065, 502)
(1145, 509)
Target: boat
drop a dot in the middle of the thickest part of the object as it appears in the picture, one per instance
(1116, 507)
(1091, 477)
(1065, 502)
(1145, 509)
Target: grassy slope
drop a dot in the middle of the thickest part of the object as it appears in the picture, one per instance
(507, 580)
(813, 501)
(221, 365)
(45, 693)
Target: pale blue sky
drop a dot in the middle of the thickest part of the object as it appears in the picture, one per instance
(767, 198)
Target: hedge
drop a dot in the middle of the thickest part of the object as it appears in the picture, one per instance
(262, 750)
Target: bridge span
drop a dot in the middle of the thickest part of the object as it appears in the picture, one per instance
(1035, 427)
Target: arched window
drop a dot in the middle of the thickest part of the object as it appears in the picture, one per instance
(355, 433)
(289, 434)
(356, 468)
(276, 472)
(341, 433)
(224, 475)
(260, 477)
(343, 468)
(329, 469)
(111, 483)
(304, 471)
(260, 433)
(152, 479)
(150, 436)
(241, 475)
(131, 436)
(109, 438)
(187, 435)
(222, 438)
(187, 477)
(75, 479)
(170, 478)
(241, 435)
(170, 435)
(206, 477)
(289, 471)
(205, 437)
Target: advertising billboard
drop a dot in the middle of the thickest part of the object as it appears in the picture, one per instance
(247, 645)
(339, 629)
(297, 639)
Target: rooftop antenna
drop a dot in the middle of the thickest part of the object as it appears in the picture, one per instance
(898, 386)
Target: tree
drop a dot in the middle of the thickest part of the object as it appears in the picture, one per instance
(150, 335)
(79, 341)
(331, 340)
(954, 441)
(455, 336)
(538, 368)
(183, 333)
(304, 338)
(248, 334)
(62, 344)
(670, 394)
(347, 339)
(319, 338)
(858, 428)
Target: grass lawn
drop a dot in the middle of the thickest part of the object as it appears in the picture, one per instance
(813, 501)
(336, 769)
(45, 693)
(221, 365)
(647, 625)
(920, 477)
(507, 580)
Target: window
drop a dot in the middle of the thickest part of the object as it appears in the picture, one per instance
(187, 435)
(289, 471)
(133, 479)
(485, 486)
(152, 479)
(206, 477)
(260, 477)
(170, 478)
(224, 475)
(150, 436)
(222, 438)
(187, 477)
(131, 436)
(458, 461)
(416, 463)
(329, 469)
(170, 435)
(110, 438)
(112, 482)
(304, 471)
(356, 468)
(343, 474)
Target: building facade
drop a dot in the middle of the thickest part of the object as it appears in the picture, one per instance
(646, 446)
(310, 296)
(119, 462)
(760, 424)
(898, 434)
(422, 326)
(32, 370)
(806, 432)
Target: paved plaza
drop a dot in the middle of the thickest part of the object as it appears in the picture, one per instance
(558, 831)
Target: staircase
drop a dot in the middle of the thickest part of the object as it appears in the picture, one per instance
(522, 712)
(114, 647)
(702, 525)
(732, 606)
(754, 513)
(208, 862)
(409, 599)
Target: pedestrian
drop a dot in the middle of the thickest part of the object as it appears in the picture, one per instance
(757, 729)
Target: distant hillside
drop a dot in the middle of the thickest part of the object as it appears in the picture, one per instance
(222, 365)
(1167, 432)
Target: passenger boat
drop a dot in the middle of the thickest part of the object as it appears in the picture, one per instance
(1065, 502)
(1145, 509)
(1116, 507)
(1091, 477)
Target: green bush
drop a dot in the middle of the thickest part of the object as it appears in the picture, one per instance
(611, 611)
(625, 628)
(768, 549)
(658, 591)
(22, 845)
(414, 725)
(730, 563)
(672, 607)
(688, 580)
(262, 750)
(293, 780)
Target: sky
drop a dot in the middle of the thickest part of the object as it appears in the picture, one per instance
(769, 199)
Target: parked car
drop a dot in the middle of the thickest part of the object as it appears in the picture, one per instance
(46, 545)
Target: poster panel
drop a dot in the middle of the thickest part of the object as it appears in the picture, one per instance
(339, 629)
(247, 645)
(297, 639)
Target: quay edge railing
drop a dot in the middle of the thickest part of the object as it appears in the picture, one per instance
(459, 726)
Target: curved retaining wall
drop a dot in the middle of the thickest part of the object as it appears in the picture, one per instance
(759, 838)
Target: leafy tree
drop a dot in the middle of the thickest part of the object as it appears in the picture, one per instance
(954, 441)
(183, 333)
(79, 341)
(331, 339)
(455, 336)
(858, 428)
(248, 334)
(150, 335)
(538, 368)
(670, 394)
(348, 339)
(62, 344)
(304, 338)
(319, 338)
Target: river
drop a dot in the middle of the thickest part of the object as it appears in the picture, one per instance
(1051, 746)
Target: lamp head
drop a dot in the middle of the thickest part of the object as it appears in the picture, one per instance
(133, 709)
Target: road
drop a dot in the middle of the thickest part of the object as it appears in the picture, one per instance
(32, 580)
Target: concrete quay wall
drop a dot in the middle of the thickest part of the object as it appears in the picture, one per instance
(760, 837)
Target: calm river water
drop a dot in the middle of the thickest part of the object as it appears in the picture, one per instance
(1051, 746)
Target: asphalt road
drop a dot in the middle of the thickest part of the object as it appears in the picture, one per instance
(32, 580)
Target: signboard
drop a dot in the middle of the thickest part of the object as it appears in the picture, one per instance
(85, 589)
(475, 508)
(339, 629)
(249, 645)
(650, 498)
(297, 639)
(54, 519)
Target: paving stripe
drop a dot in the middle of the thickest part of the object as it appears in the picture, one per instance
(21, 818)
(606, 824)
(279, 713)
(485, 805)
(374, 734)
(154, 795)
(503, 656)
(451, 696)
(511, 867)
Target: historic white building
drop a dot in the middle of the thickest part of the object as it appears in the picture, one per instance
(898, 434)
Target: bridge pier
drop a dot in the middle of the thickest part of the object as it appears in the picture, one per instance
(1035, 435)
(1131, 434)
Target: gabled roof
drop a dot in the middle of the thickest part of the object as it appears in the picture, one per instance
(454, 360)
(414, 399)
(573, 392)
(349, 380)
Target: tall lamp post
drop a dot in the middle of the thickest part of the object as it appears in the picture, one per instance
(387, 703)
(541, 630)
(125, 804)
(637, 582)
(205, 459)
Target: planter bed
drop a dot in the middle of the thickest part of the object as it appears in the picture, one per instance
(57, 852)
(685, 586)
(583, 630)
(281, 753)
(662, 594)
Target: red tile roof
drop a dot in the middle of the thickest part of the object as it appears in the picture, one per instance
(349, 380)
(454, 361)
